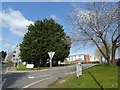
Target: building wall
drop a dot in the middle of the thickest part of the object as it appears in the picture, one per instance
(8, 56)
(86, 58)
(14, 56)
(93, 59)
(16, 52)
(76, 57)
(82, 57)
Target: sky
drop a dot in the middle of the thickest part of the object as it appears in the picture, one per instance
(16, 16)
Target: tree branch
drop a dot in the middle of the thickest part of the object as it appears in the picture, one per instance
(93, 41)
(114, 33)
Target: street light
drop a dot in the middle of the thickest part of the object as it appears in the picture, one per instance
(51, 54)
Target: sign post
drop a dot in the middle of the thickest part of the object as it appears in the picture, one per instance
(51, 54)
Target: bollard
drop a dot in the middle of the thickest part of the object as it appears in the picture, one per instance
(78, 70)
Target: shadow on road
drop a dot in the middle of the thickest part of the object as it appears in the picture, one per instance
(11, 78)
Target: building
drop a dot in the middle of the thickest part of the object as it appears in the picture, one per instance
(94, 59)
(14, 56)
(8, 56)
(82, 58)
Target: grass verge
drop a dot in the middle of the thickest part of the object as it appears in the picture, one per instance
(107, 76)
(22, 67)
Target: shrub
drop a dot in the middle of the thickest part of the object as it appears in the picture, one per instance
(10, 63)
(21, 67)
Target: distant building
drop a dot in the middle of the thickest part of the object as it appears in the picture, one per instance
(8, 56)
(82, 58)
(14, 56)
(94, 59)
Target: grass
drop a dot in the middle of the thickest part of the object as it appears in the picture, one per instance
(23, 67)
(107, 76)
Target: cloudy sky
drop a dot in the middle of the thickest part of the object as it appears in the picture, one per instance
(16, 16)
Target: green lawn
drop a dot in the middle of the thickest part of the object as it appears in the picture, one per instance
(107, 76)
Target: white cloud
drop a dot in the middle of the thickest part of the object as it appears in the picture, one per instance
(0, 39)
(5, 44)
(8, 47)
(14, 21)
(53, 17)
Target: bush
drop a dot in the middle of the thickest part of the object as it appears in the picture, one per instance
(10, 63)
(21, 67)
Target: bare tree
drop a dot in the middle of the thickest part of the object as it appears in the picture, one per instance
(97, 52)
(97, 25)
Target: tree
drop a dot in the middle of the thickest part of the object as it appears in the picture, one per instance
(98, 54)
(97, 25)
(3, 53)
(44, 36)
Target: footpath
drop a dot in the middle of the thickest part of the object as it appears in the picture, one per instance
(13, 69)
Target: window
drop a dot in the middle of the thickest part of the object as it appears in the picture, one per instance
(13, 55)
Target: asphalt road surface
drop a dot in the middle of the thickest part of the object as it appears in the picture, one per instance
(37, 79)
(3, 70)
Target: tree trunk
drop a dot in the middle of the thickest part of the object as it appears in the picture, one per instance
(55, 63)
(108, 60)
(113, 54)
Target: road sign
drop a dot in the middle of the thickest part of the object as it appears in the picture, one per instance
(51, 54)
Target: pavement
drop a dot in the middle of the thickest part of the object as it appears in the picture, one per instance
(13, 69)
(37, 79)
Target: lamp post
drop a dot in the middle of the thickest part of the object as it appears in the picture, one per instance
(51, 54)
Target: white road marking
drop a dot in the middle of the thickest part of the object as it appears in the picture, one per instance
(35, 82)
(70, 73)
(2, 83)
(5, 72)
(33, 77)
(42, 76)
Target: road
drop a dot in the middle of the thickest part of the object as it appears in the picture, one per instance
(3, 70)
(37, 79)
